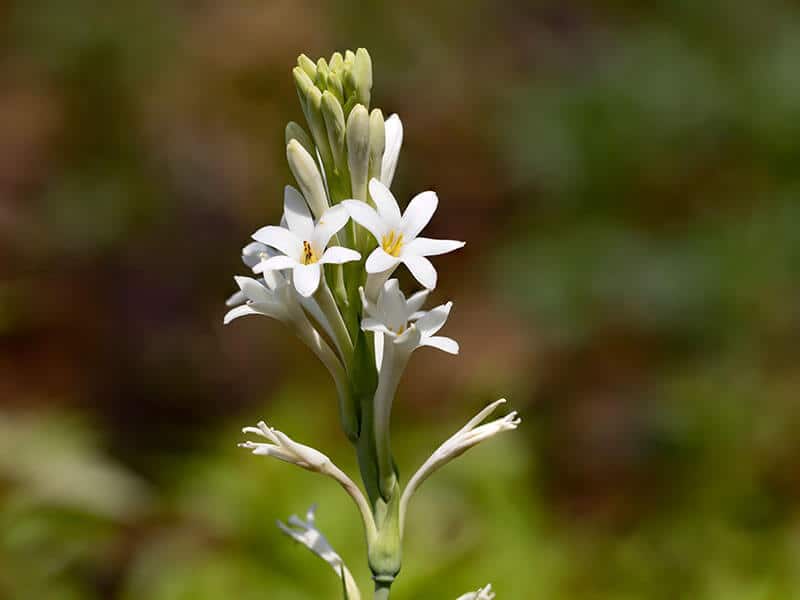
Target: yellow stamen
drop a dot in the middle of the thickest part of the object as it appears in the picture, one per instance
(309, 256)
(391, 244)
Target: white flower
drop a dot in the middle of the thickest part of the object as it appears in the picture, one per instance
(465, 438)
(484, 593)
(394, 140)
(398, 235)
(396, 337)
(307, 534)
(304, 243)
(402, 320)
(281, 446)
(252, 254)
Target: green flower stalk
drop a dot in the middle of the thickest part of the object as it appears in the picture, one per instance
(326, 272)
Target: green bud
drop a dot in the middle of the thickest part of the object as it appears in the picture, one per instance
(336, 63)
(377, 143)
(321, 80)
(307, 65)
(295, 131)
(349, 58)
(308, 177)
(311, 101)
(333, 115)
(362, 76)
(358, 150)
(335, 86)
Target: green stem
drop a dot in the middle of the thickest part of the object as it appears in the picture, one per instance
(329, 308)
(382, 590)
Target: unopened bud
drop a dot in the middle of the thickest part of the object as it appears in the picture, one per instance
(362, 76)
(333, 115)
(307, 65)
(295, 131)
(308, 177)
(311, 101)
(358, 150)
(377, 143)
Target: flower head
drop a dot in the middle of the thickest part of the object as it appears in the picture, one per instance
(398, 235)
(304, 243)
(307, 534)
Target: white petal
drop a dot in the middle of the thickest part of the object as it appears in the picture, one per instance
(392, 305)
(418, 214)
(236, 299)
(252, 253)
(298, 217)
(276, 263)
(394, 140)
(433, 320)
(331, 222)
(421, 268)
(379, 261)
(239, 311)
(280, 239)
(306, 279)
(416, 301)
(423, 246)
(384, 200)
(374, 325)
(338, 255)
(253, 290)
(363, 214)
(446, 344)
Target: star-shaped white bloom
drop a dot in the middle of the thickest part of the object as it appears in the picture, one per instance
(470, 435)
(403, 322)
(484, 593)
(304, 243)
(398, 235)
(307, 534)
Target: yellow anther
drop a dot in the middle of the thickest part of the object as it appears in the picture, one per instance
(392, 243)
(309, 256)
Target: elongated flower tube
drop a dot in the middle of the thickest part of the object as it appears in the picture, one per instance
(398, 235)
(307, 534)
(281, 446)
(273, 297)
(484, 593)
(471, 434)
(389, 317)
(304, 243)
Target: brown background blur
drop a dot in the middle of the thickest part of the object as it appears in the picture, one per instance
(626, 177)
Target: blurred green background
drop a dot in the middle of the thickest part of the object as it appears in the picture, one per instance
(626, 176)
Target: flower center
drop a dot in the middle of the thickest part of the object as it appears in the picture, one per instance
(309, 256)
(392, 243)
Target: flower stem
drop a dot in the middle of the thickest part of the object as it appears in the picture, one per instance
(328, 306)
(382, 590)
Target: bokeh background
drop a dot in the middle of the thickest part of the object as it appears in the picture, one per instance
(626, 176)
